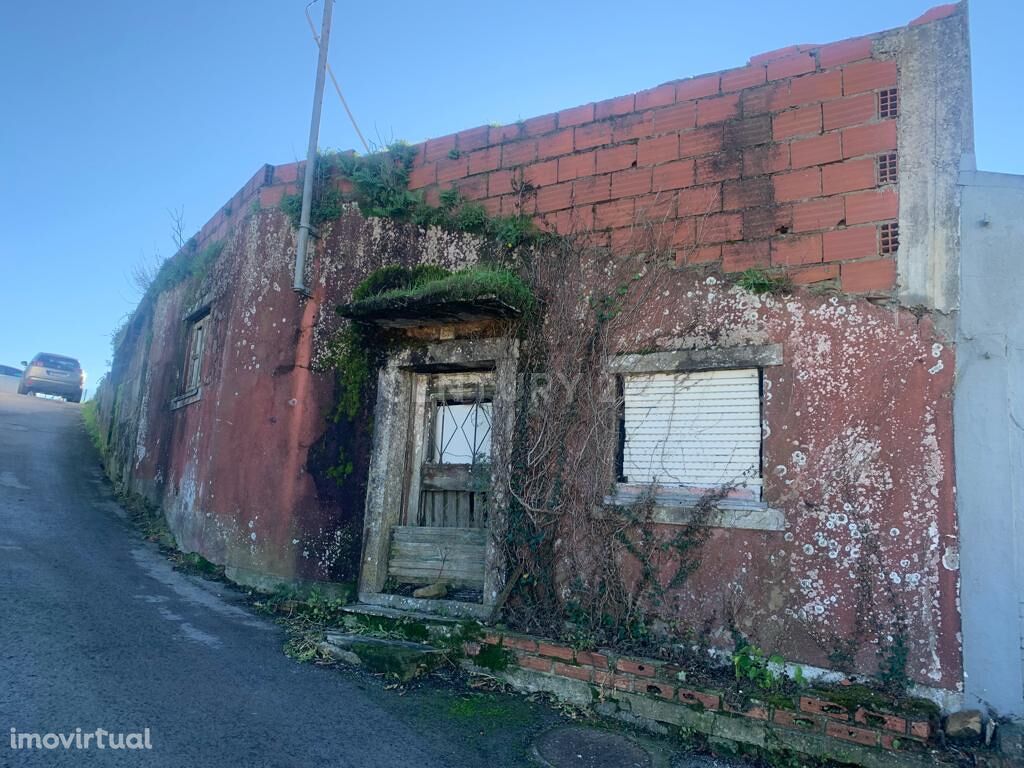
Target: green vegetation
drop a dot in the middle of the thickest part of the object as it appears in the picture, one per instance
(355, 357)
(395, 287)
(356, 350)
(150, 519)
(90, 418)
(893, 666)
(396, 278)
(751, 664)
(304, 617)
(856, 695)
(188, 263)
(494, 657)
(380, 186)
(490, 711)
(327, 205)
(194, 563)
(763, 281)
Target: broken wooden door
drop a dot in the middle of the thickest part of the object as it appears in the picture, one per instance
(443, 535)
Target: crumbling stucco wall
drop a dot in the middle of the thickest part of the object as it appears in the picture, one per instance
(858, 457)
(771, 166)
(231, 469)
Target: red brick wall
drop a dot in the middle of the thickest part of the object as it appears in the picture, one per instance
(769, 165)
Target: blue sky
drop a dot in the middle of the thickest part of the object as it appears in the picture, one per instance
(115, 112)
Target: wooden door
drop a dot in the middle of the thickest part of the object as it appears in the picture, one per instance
(444, 530)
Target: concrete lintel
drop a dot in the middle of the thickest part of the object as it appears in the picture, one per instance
(459, 354)
(748, 517)
(698, 359)
(742, 515)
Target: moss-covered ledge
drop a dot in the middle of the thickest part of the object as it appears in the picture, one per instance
(402, 297)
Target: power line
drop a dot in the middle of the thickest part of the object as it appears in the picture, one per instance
(330, 72)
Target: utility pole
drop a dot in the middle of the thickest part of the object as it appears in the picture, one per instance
(314, 136)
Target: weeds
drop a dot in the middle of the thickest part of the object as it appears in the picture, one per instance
(750, 664)
(762, 281)
(422, 286)
(90, 418)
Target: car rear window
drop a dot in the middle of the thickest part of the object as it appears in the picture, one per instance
(57, 362)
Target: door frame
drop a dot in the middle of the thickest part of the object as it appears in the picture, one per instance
(424, 416)
(393, 452)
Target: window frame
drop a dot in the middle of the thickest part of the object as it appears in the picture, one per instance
(675, 505)
(191, 369)
(744, 490)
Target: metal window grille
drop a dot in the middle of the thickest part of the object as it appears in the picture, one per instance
(462, 432)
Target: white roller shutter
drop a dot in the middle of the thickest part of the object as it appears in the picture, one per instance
(701, 428)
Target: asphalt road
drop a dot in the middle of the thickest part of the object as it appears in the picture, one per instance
(98, 631)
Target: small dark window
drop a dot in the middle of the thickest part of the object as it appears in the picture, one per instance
(198, 329)
(887, 168)
(888, 103)
(890, 237)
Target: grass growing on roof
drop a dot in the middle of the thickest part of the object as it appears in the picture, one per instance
(394, 287)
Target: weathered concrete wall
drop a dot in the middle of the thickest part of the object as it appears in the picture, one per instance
(935, 134)
(230, 470)
(989, 415)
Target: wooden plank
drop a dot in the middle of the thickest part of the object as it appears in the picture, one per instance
(721, 434)
(461, 514)
(668, 387)
(439, 534)
(448, 477)
(462, 570)
(438, 570)
(690, 457)
(680, 421)
(629, 493)
(687, 407)
(416, 449)
(430, 552)
(427, 555)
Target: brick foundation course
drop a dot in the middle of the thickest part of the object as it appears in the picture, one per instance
(658, 691)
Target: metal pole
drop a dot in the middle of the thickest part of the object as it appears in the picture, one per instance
(314, 135)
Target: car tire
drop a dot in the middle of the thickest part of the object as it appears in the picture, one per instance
(75, 398)
(22, 390)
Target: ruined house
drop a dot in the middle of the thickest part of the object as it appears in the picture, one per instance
(723, 368)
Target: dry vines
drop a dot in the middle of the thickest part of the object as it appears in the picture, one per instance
(584, 568)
